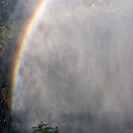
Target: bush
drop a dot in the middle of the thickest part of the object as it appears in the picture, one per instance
(44, 128)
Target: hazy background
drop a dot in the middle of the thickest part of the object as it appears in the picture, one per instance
(77, 70)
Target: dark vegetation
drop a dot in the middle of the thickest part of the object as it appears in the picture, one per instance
(44, 128)
(7, 42)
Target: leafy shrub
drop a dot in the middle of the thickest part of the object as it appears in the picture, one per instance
(44, 128)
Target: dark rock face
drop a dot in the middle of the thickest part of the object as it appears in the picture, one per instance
(6, 56)
(5, 118)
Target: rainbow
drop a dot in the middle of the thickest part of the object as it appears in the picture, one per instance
(28, 30)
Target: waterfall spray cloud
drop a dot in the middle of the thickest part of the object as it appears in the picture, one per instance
(77, 70)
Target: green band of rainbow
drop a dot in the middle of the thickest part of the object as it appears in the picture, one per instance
(21, 48)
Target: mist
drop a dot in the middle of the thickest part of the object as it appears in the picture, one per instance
(77, 69)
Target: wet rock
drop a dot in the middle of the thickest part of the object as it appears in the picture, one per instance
(5, 118)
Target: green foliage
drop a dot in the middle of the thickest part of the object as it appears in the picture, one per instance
(5, 12)
(5, 35)
(44, 128)
(6, 9)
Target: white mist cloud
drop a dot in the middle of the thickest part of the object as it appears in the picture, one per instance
(77, 71)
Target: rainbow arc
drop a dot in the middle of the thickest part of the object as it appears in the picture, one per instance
(30, 25)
